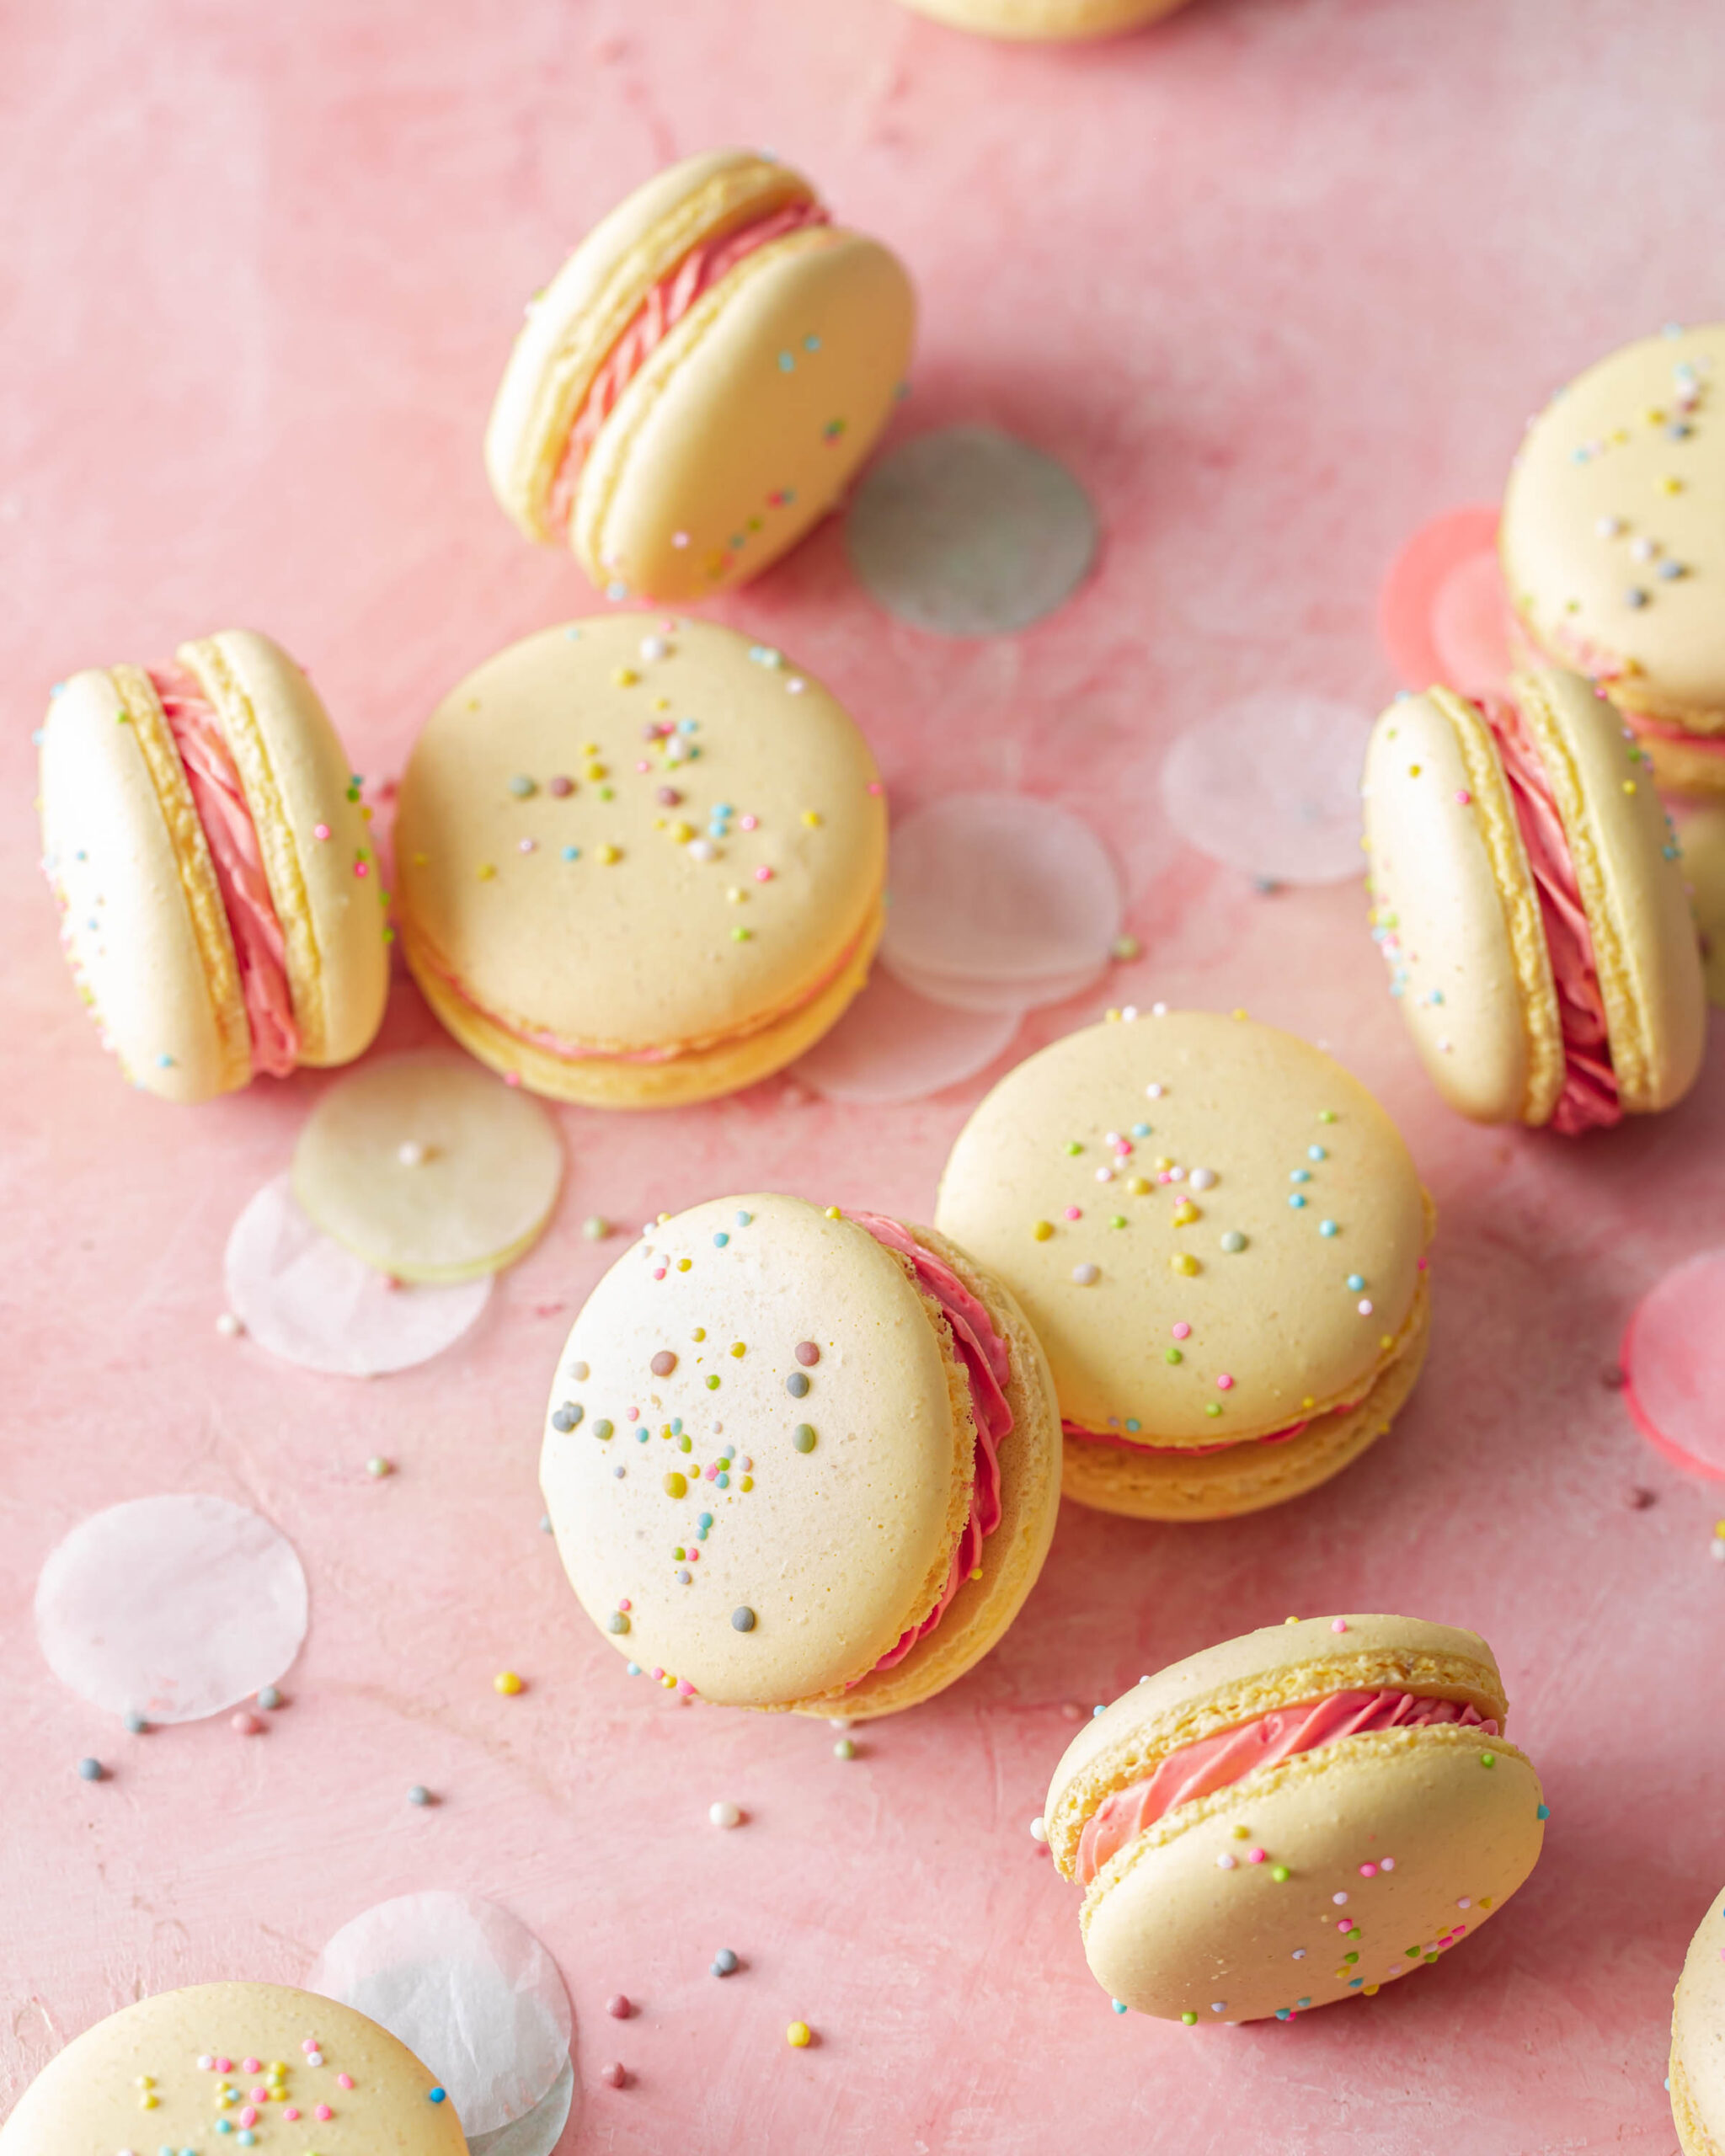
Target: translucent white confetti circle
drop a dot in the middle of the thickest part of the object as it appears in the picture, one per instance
(539, 2132)
(172, 1607)
(1673, 1363)
(1270, 786)
(968, 532)
(469, 1990)
(894, 1045)
(304, 1298)
(998, 902)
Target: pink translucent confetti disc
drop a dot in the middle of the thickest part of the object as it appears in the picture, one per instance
(1673, 1365)
(962, 992)
(467, 1988)
(1441, 613)
(893, 1045)
(1270, 786)
(1001, 892)
(173, 1608)
(306, 1299)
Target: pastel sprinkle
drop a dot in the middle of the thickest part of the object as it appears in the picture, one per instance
(507, 1683)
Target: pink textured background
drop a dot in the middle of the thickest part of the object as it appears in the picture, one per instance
(1279, 280)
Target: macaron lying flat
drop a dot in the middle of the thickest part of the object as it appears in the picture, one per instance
(800, 1459)
(1528, 897)
(1308, 1811)
(1697, 2075)
(1046, 20)
(1219, 1236)
(222, 911)
(696, 386)
(220, 2066)
(640, 862)
(1613, 542)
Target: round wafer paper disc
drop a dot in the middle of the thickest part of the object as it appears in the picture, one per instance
(539, 2132)
(172, 1607)
(894, 1045)
(1270, 786)
(969, 532)
(996, 902)
(306, 1299)
(467, 1988)
(428, 1167)
(1673, 1365)
(1442, 613)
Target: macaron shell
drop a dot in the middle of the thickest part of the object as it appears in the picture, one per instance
(1239, 1679)
(744, 427)
(700, 1075)
(572, 325)
(835, 1550)
(91, 2097)
(980, 1613)
(648, 955)
(1170, 1930)
(1247, 1478)
(1589, 481)
(143, 924)
(328, 893)
(1698, 2039)
(1241, 1101)
(1702, 837)
(1456, 911)
(1046, 19)
(1630, 873)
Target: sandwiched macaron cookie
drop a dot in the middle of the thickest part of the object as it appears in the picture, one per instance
(221, 2066)
(1219, 1237)
(222, 909)
(802, 1459)
(1527, 894)
(1613, 542)
(641, 863)
(1291, 1817)
(696, 386)
(1046, 20)
(1697, 2077)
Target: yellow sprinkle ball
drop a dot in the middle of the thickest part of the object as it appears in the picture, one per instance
(507, 1683)
(1043, 1230)
(798, 2034)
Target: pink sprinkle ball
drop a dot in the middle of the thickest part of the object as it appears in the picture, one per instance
(1073, 1212)
(323, 2111)
(1182, 1330)
(749, 824)
(613, 2075)
(260, 2094)
(1340, 1625)
(309, 2045)
(320, 831)
(1368, 1872)
(344, 2081)
(249, 2115)
(617, 2007)
(224, 2065)
(1224, 1383)
(763, 874)
(1255, 1856)
(254, 2065)
(247, 1725)
(291, 2113)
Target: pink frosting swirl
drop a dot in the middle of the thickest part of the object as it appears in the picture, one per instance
(1215, 1763)
(232, 836)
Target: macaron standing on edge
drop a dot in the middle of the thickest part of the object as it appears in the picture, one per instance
(695, 387)
(1613, 542)
(178, 2070)
(800, 1458)
(1219, 1237)
(1046, 20)
(1308, 1811)
(222, 907)
(1528, 897)
(1697, 2072)
(639, 862)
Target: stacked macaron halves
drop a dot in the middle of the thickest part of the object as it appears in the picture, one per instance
(696, 386)
(1528, 897)
(1697, 2071)
(1307, 1812)
(800, 1458)
(223, 905)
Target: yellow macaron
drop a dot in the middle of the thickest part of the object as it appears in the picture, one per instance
(696, 386)
(1046, 21)
(641, 863)
(222, 907)
(1294, 1817)
(1613, 542)
(1697, 2072)
(801, 1459)
(1220, 1238)
(1528, 897)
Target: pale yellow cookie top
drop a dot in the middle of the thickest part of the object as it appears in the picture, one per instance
(636, 837)
(1613, 533)
(1045, 21)
(1698, 2021)
(1226, 1178)
(758, 1339)
(265, 2058)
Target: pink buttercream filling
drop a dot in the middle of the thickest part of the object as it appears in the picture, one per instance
(987, 1363)
(232, 836)
(1663, 729)
(1217, 1762)
(664, 308)
(1590, 1099)
(1137, 1444)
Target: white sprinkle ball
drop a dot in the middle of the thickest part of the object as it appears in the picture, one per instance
(724, 1813)
(1039, 1829)
(410, 1153)
(1086, 1276)
(1203, 1178)
(228, 1325)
